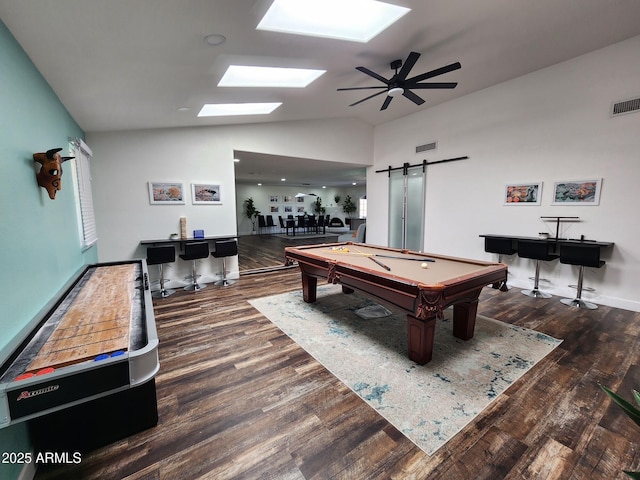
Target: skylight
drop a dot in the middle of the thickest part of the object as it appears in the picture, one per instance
(225, 109)
(247, 76)
(352, 20)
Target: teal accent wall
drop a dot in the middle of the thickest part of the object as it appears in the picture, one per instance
(40, 248)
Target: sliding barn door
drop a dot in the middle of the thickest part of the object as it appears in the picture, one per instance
(406, 208)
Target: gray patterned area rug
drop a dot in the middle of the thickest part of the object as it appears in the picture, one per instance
(430, 403)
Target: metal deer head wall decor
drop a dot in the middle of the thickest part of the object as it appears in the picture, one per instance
(49, 176)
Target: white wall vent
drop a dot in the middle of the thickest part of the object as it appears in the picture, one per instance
(426, 147)
(626, 106)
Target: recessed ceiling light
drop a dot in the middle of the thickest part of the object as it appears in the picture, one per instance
(354, 20)
(183, 109)
(354, 183)
(224, 109)
(215, 39)
(248, 76)
(259, 184)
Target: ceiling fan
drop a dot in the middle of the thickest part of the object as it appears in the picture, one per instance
(399, 84)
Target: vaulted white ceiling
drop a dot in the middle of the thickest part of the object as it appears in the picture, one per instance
(137, 64)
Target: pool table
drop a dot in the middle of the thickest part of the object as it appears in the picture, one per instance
(422, 284)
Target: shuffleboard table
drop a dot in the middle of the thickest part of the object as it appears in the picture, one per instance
(82, 373)
(422, 284)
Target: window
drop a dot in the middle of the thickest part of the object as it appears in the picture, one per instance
(362, 206)
(84, 196)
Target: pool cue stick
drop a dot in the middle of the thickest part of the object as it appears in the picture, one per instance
(371, 257)
(386, 267)
(425, 259)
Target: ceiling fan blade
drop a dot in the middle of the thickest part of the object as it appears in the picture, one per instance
(414, 86)
(373, 74)
(413, 97)
(435, 73)
(361, 88)
(367, 98)
(408, 65)
(386, 103)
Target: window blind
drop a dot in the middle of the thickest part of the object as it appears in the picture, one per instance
(87, 216)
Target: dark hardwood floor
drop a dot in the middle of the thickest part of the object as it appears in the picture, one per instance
(263, 252)
(238, 399)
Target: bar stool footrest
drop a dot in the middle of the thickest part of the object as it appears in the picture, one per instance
(543, 280)
(584, 289)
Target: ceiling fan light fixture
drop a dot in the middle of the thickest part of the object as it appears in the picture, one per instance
(399, 84)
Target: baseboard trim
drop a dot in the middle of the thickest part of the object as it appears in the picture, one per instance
(570, 293)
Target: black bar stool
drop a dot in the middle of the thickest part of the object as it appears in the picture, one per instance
(583, 255)
(501, 246)
(291, 224)
(537, 250)
(224, 249)
(262, 223)
(312, 223)
(159, 256)
(270, 224)
(194, 251)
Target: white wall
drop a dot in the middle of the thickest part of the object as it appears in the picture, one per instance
(124, 162)
(262, 195)
(551, 125)
(548, 126)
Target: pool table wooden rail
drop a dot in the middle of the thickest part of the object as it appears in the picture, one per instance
(419, 298)
(423, 301)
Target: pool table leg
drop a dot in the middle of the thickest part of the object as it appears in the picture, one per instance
(420, 334)
(464, 319)
(309, 288)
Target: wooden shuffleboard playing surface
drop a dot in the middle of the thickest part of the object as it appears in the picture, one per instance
(97, 322)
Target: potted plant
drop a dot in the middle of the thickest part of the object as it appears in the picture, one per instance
(348, 207)
(251, 212)
(632, 412)
(319, 209)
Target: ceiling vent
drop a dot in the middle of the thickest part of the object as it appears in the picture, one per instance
(626, 106)
(426, 147)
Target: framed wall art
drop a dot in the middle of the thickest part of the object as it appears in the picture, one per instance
(206, 194)
(166, 193)
(523, 193)
(577, 192)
